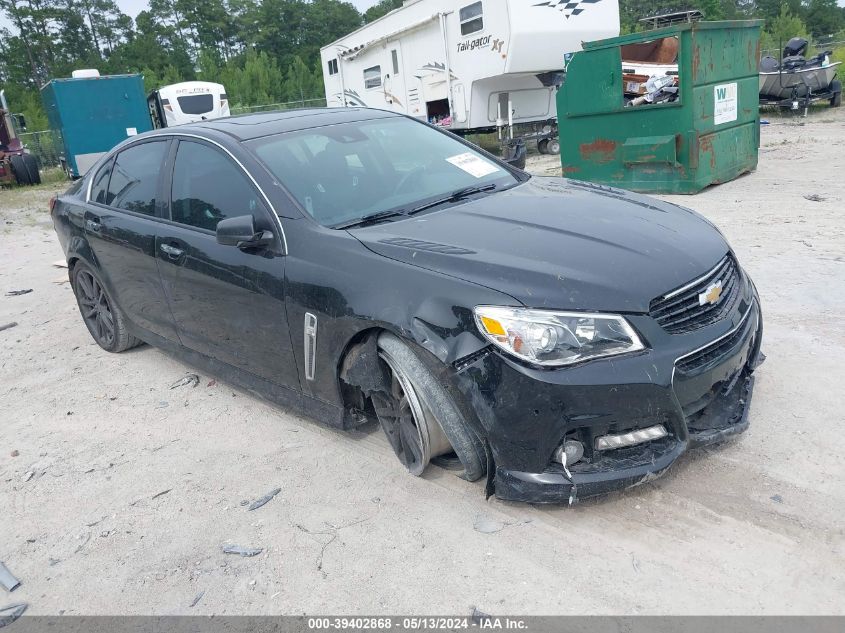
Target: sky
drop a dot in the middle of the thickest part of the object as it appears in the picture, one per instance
(134, 7)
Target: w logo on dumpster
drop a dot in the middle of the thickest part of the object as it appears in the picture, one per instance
(721, 92)
(567, 7)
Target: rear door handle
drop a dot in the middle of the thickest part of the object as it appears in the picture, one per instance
(171, 251)
(93, 224)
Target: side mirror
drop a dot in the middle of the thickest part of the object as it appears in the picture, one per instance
(240, 231)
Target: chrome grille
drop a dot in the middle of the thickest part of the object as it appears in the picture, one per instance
(681, 311)
(715, 351)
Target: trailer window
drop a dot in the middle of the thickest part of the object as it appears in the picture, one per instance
(196, 104)
(395, 57)
(332, 66)
(471, 18)
(372, 77)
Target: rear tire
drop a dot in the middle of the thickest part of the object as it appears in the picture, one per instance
(553, 146)
(419, 412)
(543, 146)
(20, 170)
(32, 168)
(102, 317)
(836, 99)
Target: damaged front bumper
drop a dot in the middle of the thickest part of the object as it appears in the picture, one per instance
(700, 397)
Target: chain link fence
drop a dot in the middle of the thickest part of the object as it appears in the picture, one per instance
(287, 105)
(43, 146)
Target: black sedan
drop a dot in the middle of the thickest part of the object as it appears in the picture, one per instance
(564, 339)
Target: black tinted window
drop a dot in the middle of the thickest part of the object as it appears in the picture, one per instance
(196, 104)
(208, 187)
(101, 184)
(134, 179)
(471, 18)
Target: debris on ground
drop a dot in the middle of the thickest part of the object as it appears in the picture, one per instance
(7, 580)
(814, 197)
(776, 498)
(11, 613)
(212, 383)
(196, 599)
(477, 616)
(7, 326)
(242, 551)
(161, 494)
(60, 263)
(28, 475)
(15, 453)
(263, 500)
(187, 379)
(17, 293)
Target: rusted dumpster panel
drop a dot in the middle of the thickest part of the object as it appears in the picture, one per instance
(707, 132)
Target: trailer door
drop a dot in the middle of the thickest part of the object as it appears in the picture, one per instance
(394, 79)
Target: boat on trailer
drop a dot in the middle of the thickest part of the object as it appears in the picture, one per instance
(796, 81)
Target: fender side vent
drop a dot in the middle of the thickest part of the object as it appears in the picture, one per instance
(310, 346)
(421, 245)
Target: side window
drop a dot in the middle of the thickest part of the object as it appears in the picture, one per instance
(332, 64)
(208, 187)
(134, 179)
(372, 77)
(394, 56)
(99, 188)
(471, 18)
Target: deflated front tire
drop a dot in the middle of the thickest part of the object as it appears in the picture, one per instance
(419, 417)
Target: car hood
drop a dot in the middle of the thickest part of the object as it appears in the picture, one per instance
(554, 243)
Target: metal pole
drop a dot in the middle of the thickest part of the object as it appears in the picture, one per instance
(446, 61)
(342, 84)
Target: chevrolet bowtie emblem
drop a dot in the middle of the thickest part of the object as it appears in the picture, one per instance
(711, 295)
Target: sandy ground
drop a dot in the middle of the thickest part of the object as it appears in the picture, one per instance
(118, 493)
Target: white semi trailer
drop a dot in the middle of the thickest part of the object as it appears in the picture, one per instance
(466, 65)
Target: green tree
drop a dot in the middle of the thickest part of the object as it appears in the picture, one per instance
(781, 29)
(825, 17)
(383, 7)
(301, 83)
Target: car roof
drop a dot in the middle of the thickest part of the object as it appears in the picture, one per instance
(249, 126)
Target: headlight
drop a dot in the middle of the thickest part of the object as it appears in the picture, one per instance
(552, 339)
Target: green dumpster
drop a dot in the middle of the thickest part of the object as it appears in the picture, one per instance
(701, 128)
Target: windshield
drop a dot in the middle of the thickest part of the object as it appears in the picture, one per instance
(348, 171)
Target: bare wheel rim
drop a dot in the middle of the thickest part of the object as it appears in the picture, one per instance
(95, 307)
(410, 428)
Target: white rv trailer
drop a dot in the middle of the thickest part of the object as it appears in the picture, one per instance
(187, 102)
(465, 64)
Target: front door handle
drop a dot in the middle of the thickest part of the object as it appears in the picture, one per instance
(171, 251)
(93, 224)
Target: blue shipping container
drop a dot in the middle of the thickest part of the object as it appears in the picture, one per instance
(92, 115)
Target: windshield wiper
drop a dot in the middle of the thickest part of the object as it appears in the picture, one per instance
(375, 218)
(369, 220)
(455, 196)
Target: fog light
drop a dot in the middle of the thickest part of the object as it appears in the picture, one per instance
(569, 452)
(607, 442)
